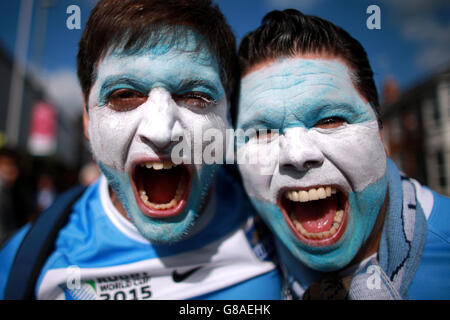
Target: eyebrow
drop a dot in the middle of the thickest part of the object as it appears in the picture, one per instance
(189, 84)
(112, 81)
(183, 85)
(326, 106)
(255, 122)
(340, 107)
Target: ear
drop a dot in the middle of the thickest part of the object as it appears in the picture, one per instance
(85, 122)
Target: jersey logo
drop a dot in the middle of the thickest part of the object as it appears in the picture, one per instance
(179, 277)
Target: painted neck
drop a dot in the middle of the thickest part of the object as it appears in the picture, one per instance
(117, 204)
(295, 268)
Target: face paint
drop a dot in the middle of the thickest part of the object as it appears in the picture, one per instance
(140, 106)
(327, 165)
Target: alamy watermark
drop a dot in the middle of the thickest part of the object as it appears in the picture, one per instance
(214, 146)
(374, 280)
(73, 281)
(73, 21)
(374, 20)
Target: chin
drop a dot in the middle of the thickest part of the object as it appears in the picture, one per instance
(162, 217)
(167, 232)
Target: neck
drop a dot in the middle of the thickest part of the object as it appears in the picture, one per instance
(116, 202)
(295, 268)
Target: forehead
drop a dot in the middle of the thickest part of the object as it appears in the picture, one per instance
(189, 45)
(186, 57)
(299, 84)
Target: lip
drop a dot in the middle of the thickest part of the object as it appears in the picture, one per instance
(160, 214)
(316, 242)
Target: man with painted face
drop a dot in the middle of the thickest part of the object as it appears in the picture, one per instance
(347, 223)
(157, 225)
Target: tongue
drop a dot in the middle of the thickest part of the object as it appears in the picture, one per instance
(316, 216)
(161, 185)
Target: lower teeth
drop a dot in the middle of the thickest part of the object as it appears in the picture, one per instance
(319, 235)
(163, 206)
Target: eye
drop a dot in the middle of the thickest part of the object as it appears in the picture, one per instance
(330, 123)
(194, 99)
(126, 99)
(266, 134)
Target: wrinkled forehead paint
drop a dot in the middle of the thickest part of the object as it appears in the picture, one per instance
(164, 62)
(291, 92)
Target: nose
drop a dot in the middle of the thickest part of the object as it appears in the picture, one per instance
(298, 151)
(159, 127)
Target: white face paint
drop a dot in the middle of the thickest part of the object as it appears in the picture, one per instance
(329, 140)
(139, 107)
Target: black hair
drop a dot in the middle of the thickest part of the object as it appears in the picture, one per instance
(292, 33)
(129, 24)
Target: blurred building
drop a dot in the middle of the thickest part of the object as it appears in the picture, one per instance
(417, 129)
(32, 93)
(69, 150)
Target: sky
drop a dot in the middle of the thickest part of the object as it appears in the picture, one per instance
(413, 42)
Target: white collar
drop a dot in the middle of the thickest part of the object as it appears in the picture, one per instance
(119, 221)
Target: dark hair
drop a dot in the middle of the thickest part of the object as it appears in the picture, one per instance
(129, 24)
(290, 32)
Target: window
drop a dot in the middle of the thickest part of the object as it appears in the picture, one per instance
(435, 107)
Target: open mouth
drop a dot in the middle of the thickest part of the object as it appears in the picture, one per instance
(317, 216)
(161, 188)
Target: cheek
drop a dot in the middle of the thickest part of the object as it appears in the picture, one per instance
(365, 206)
(257, 164)
(214, 118)
(357, 151)
(204, 129)
(120, 183)
(110, 135)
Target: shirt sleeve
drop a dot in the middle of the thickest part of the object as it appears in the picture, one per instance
(432, 279)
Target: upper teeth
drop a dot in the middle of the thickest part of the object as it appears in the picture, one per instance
(311, 194)
(157, 165)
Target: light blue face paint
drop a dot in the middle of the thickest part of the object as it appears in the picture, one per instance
(283, 96)
(161, 71)
(293, 95)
